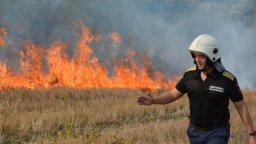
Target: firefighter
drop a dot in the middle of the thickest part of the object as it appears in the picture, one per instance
(209, 88)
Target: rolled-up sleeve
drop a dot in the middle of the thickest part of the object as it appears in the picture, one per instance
(235, 93)
(181, 85)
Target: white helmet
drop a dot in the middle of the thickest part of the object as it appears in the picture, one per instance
(207, 45)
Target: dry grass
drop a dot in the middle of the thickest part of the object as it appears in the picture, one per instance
(62, 115)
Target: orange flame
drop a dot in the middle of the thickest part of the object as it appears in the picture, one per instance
(82, 70)
(3, 35)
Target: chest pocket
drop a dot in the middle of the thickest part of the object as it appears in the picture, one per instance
(216, 93)
(216, 89)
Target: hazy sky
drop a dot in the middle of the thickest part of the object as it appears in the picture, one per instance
(163, 29)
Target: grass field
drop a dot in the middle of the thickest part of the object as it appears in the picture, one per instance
(62, 115)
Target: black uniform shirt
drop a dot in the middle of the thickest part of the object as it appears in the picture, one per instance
(209, 99)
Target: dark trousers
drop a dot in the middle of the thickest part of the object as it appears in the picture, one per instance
(213, 136)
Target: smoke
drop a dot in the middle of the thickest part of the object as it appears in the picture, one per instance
(164, 29)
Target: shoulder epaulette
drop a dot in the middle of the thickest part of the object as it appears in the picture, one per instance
(228, 75)
(191, 69)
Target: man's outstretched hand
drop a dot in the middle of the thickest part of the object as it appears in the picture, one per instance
(146, 100)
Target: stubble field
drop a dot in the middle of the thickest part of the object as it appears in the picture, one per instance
(62, 115)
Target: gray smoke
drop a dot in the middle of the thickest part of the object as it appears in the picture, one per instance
(164, 29)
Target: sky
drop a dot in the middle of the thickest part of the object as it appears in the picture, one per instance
(163, 29)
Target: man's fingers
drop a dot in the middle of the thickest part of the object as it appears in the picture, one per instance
(145, 100)
(142, 100)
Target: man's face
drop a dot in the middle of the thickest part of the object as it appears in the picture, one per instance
(200, 60)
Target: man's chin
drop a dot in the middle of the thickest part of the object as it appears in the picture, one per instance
(200, 67)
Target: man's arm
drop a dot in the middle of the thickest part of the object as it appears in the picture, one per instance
(164, 98)
(245, 117)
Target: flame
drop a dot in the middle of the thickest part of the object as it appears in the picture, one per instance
(83, 70)
(3, 35)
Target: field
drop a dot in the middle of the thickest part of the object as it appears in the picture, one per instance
(62, 115)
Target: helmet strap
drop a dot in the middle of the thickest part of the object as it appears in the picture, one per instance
(209, 63)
